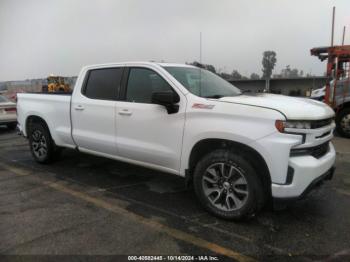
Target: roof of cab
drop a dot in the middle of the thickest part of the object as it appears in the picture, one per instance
(136, 63)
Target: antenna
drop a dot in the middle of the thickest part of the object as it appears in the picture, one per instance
(200, 61)
(200, 47)
(333, 18)
(344, 29)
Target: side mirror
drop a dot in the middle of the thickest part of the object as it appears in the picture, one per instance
(167, 99)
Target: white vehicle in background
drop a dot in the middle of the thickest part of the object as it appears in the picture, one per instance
(238, 150)
(318, 94)
(8, 115)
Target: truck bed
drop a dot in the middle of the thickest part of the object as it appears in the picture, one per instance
(54, 108)
(51, 93)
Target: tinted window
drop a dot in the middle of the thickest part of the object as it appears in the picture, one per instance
(142, 83)
(103, 83)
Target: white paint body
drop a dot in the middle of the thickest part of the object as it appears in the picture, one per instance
(145, 134)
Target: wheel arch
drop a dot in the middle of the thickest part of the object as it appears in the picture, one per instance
(34, 119)
(52, 149)
(207, 145)
(344, 105)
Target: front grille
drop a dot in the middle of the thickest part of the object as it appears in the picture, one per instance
(321, 123)
(316, 151)
(321, 150)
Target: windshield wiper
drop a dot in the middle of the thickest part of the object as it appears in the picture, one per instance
(214, 96)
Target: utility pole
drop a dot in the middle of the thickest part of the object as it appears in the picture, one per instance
(333, 19)
(200, 61)
(344, 29)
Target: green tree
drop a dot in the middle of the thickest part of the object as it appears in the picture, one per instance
(291, 73)
(254, 76)
(226, 76)
(268, 62)
(210, 68)
(236, 75)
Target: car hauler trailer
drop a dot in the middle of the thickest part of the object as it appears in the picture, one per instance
(337, 93)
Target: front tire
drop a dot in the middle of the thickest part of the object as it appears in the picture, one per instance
(41, 144)
(227, 185)
(343, 122)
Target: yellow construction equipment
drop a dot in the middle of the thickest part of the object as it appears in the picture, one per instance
(56, 84)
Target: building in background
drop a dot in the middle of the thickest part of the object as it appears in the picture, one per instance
(300, 86)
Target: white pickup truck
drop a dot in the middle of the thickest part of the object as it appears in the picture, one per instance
(239, 151)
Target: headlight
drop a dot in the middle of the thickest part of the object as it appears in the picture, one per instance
(298, 124)
(281, 125)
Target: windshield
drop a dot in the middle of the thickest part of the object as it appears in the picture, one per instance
(202, 82)
(3, 99)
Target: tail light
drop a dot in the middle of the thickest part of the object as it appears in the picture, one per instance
(11, 110)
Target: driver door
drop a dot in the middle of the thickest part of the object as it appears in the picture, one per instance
(145, 131)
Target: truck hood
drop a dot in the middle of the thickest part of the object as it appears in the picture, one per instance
(292, 107)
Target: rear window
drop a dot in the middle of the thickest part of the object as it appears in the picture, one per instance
(103, 83)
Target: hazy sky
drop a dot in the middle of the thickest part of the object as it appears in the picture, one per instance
(39, 37)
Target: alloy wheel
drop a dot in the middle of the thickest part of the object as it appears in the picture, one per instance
(225, 186)
(39, 144)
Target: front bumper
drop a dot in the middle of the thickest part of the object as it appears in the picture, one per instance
(279, 203)
(301, 151)
(318, 181)
(308, 171)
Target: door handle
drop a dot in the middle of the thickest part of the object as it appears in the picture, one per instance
(79, 107)
(125, 112)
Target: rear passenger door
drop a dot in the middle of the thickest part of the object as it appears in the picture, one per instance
(93, 111)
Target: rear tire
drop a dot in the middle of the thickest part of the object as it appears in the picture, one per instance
(41, 144)
(228, 186)
(343, 122)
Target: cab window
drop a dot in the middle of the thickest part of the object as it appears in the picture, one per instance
(142, 82)
(103, 83)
